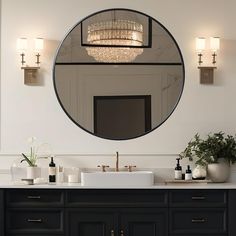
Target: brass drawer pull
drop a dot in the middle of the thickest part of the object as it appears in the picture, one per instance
(121, 233)
(35, 220)
(112, 233)
(200, 220)
(33, 197)
(198, 198)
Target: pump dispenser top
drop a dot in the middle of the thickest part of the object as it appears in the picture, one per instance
(178, 166)
(188, 171)
(188, 175)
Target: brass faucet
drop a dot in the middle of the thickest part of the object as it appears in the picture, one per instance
(117, 161)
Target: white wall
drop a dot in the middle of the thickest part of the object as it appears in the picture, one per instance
(34, 111)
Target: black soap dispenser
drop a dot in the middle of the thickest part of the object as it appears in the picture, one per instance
(52, 171)
(178, 170)
(188, 175)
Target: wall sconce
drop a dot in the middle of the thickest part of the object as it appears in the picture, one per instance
(214, 46)
(207, 72)
(30, 72)
(39, 43)
(200, 47)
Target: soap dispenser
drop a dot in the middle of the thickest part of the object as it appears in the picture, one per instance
(188, 175)
(178, 170)
(52, 171)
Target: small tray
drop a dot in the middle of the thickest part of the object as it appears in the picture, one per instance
(182, 181)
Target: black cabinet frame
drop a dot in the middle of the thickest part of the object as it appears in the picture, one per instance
(119, 208)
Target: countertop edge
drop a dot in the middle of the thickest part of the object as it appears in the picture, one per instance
(155, 186)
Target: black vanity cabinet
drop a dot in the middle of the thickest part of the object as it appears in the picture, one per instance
(116, 213)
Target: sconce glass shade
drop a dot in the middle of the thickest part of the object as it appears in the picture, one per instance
(214, 44)
(22, 44)
(200, 44)
(39, 44)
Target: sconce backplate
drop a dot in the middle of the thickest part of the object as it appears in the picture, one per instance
(30, 75)
(206, 74)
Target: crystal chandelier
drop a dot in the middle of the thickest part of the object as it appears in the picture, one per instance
(116, 33)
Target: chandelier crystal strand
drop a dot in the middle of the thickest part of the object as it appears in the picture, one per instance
(116, 32)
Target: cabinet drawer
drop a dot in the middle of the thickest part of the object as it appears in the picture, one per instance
(198, 220)
(35, 221)
(35, 198)
(198, 198)
(117, 197)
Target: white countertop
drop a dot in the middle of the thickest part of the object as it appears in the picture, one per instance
(155, 186)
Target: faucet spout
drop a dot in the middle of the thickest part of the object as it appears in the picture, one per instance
(117, 161)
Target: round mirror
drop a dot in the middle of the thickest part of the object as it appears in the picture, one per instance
(119, 74)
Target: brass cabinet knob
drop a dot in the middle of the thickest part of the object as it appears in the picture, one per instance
(103, 167)
(130, 168)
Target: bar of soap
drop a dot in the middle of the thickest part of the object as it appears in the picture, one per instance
(40, 181)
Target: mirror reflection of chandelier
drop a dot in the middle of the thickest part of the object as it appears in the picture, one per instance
(117, 33)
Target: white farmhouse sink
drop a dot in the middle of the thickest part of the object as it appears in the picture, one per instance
(118, 179)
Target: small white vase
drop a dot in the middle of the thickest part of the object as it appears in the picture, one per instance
(199, 172)
(218, 172)
(33, 172)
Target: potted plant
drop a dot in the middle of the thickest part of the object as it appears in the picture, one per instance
(216, 152)
(32, 170)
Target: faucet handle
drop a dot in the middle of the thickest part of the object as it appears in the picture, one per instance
(103, 167)
(130, 168)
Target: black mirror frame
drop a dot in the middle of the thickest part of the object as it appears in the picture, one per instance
(54, 65)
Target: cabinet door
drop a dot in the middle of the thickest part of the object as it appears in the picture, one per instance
(143, 222)
(90, 222)
(1, 212)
